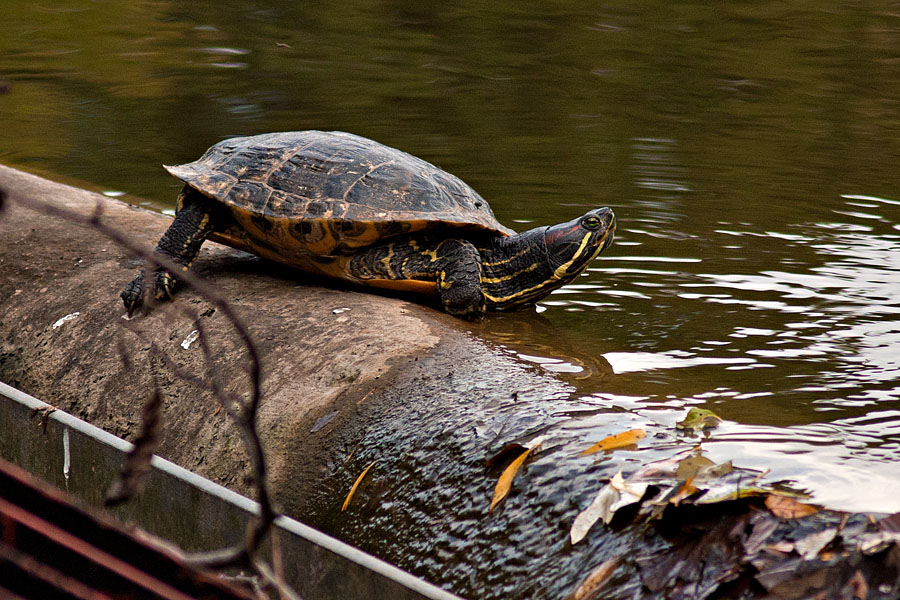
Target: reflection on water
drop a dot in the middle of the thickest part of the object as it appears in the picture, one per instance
(818, 338)
(793, 324)
(630, 362)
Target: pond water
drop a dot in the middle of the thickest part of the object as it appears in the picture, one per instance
(750, 153)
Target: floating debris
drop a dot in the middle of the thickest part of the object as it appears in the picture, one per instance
(699, 419)
(620, 440)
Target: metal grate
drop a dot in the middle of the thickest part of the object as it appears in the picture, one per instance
(50, 548)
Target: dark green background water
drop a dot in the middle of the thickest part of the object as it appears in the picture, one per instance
(749, 149)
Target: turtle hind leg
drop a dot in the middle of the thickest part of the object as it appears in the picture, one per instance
(453, 265)
(180, 244)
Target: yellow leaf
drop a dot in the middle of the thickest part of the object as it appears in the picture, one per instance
(356, 485)
(620, 440)
(788, 508)
(506, 478)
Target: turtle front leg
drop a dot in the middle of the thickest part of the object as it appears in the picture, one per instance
(454, 265)
(459, 279)
(180, 244)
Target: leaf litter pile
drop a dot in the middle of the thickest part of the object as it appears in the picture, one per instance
(727, 533)
(708, 530)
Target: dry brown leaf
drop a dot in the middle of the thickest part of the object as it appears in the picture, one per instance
(857, 586)
(784, 507)
(620, 440)
(506, 478)
(595, 580)
(890, 523)
(692, 465)
(356, 485)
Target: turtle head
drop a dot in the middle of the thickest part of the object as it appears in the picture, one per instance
(526, 267)
(573, 245)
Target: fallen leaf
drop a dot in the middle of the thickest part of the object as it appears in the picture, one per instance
(620, 440)
(727, 491)
(506, 478)
(719, 470)
(505, 455)
(873, 543)
(856, 587)
(696, 560)
(616, 494)
(784, 507)
(595, 580)
(691, 466)
(356, 485)
(698, 419)
(889, 523)
(783, 546)
(601, 507)
(662, 469)
(810, 546)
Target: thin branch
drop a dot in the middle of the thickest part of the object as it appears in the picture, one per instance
(185, 277)
(244, 414)
(137, 465)
(285, 591)
(245, 419)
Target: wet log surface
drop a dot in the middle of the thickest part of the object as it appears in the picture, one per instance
(350, 378)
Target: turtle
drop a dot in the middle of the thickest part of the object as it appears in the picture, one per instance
(344, 206)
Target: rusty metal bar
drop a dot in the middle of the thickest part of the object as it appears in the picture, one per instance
(51, 548)
(60, 545)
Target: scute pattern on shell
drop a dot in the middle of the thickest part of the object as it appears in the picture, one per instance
(335, 182)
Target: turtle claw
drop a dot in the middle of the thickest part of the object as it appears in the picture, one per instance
(132, 295)
(466, 302)
(135, 296)
(165, 286)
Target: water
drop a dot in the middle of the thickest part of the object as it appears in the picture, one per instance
(750, 153)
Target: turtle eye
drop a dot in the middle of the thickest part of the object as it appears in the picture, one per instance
(591, 222)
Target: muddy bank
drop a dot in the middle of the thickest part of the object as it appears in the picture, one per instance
(328, 353)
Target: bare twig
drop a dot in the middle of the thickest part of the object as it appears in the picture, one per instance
(243, 413)
(266, 573)
(138, 462)
(185, 277)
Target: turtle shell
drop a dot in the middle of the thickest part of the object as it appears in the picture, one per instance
(330, 193)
